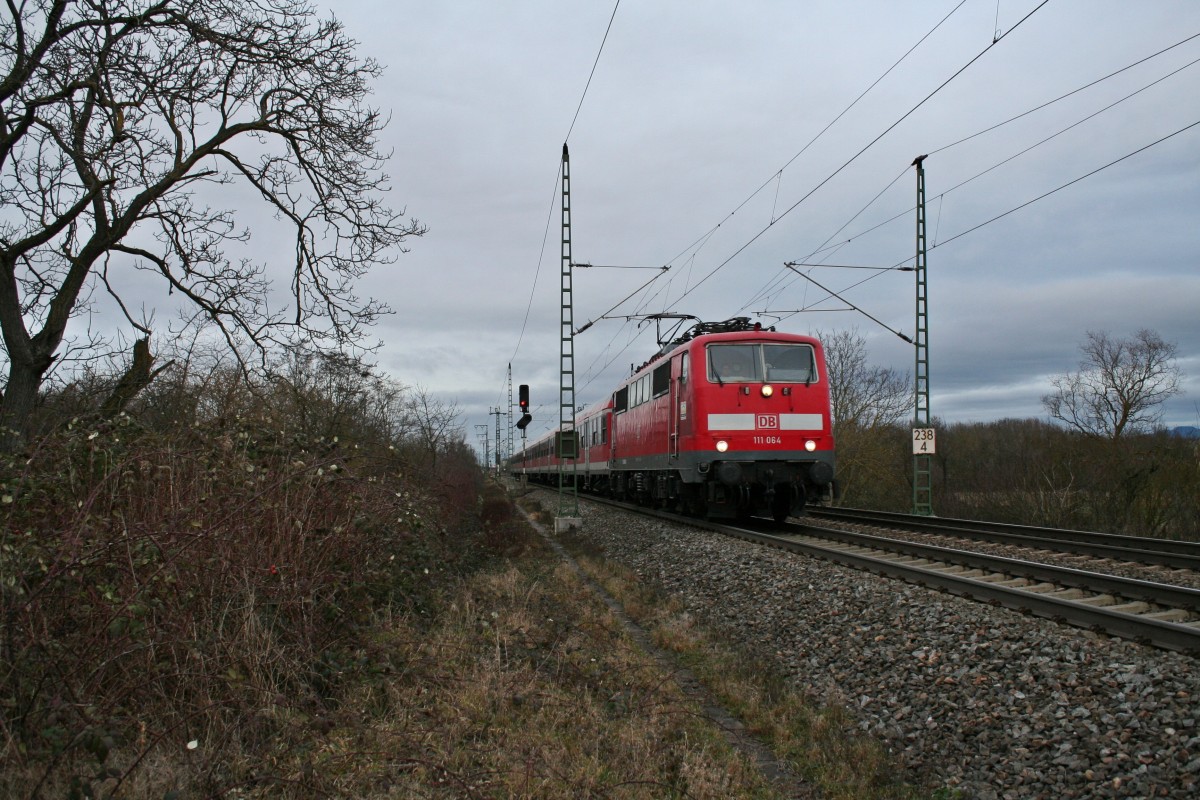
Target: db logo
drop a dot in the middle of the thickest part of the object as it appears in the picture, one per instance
(768, 422)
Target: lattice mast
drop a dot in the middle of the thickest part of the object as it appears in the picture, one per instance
(509, 454)
(568, 493)
(499, 447)
(922, 468)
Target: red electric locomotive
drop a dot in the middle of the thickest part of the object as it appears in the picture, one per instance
(729, 420)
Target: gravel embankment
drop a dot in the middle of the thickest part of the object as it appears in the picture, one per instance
(984, 700)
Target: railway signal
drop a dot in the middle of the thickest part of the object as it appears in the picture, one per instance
(523, 402)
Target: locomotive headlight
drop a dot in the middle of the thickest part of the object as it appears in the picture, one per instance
(767, 390)
(722, 446)
(810, 445)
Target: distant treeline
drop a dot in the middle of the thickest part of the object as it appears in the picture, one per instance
(1031, 472)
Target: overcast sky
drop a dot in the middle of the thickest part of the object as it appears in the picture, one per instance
(715, 139)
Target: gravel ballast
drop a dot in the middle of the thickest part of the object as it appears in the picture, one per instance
(987, 701)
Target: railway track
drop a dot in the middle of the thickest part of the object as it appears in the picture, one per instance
(1156, 614)
(1139, 549)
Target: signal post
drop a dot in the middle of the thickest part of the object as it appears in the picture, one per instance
(523, 423)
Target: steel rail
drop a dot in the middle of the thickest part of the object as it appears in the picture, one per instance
(1132, 588)
(1155, 632)
(1159, 633)
(1162, 552)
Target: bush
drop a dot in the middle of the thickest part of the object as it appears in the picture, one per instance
(199, 595)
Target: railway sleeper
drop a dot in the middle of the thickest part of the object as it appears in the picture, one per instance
(1171, 615)
(1042, 588)
(1007, 581)
(1135, 607)
(1101, 600)
(915, 562)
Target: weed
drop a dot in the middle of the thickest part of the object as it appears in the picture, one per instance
(818, 742)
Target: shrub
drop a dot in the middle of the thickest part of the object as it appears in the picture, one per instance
(196, 593)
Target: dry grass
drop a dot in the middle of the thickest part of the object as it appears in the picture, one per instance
(524, 687)
(817, 742)
(326, 677)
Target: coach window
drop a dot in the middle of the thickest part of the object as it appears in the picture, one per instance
(604, 429)
(789, 363)
(733, 362)
(662, 379)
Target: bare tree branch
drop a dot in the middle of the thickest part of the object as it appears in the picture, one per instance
(1120, 386)
(120, 120)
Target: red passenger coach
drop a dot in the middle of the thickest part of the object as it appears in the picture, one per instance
(728, 420)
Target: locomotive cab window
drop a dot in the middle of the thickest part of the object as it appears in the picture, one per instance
(734, 363)
(775, 363)
(789, 363)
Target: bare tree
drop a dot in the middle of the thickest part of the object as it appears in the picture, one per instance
(1120, 386)
(862, 395)
(433, 425)
(866, 402)
(121, 120)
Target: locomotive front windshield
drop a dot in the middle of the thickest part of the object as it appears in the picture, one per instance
(774, 363)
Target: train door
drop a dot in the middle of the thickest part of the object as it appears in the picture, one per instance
(620, 406)
(679, 423)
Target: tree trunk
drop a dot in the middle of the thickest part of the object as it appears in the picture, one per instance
(136, 378)
(16, 407)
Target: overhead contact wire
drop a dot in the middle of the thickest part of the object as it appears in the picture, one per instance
(867, 147)
(1015, 209)
(1070, 93)
(1069, 183)
(841, 242)
(557, 179)
(778, 173)
(593, 72)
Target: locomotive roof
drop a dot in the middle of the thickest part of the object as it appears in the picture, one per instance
(741, 335)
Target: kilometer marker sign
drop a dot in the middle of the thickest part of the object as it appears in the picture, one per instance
(924, 442)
